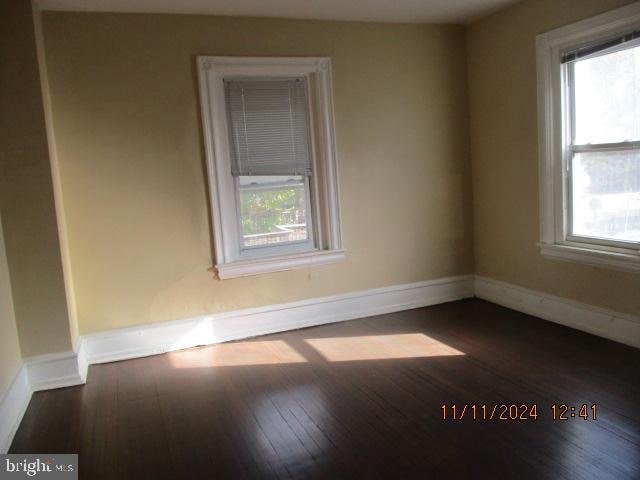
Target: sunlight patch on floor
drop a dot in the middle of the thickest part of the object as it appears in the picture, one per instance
(236, 354)
(381, 347)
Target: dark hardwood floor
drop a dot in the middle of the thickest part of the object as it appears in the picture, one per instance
(360, 399)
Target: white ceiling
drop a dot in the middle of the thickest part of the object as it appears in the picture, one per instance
(411, 11)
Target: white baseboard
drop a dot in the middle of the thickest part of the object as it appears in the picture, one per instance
(37, 373)
(69, 368)
(54, 370)
(168, 336)
(12, 408)
(616, 326)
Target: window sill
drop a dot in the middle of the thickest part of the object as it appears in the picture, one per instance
(628, 262)
(243, 268)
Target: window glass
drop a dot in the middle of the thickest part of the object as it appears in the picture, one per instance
(606, 195)
(273, 209)
(607, 98)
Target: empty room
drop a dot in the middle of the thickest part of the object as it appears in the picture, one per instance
(295, 239)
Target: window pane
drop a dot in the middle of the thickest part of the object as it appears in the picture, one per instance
(273, 209)
(606, 195)
(607, 98)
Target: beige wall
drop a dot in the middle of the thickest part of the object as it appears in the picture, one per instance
(502, 84)
(57, 182)
(10, 357)
(129, 144)
(26, 197)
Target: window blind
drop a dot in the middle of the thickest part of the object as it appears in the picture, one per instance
(601, 47)
(268, 123)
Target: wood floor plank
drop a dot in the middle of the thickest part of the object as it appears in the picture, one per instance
(356, 399)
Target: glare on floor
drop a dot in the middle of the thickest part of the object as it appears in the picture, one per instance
(380, 347)
(237, 354)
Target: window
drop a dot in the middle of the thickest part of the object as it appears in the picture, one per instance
(268, 127)
(589, 125)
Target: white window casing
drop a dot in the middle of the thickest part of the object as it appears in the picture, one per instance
(323, 207)
(556, 240)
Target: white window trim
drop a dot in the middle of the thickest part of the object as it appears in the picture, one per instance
(326, 199)
(554, 240)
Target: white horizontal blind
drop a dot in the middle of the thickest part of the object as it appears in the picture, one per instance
(268, 122)
(600, 47)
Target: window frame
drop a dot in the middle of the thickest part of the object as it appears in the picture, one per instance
(555, 131)
(325, 232)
